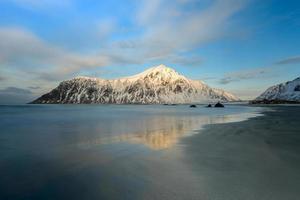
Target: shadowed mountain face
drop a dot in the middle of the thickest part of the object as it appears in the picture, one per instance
(157, 85)
(288, 92)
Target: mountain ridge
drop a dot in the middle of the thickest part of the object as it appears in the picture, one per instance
(156, 85)
(288, 92)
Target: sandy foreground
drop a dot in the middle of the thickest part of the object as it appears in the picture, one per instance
(254, 159)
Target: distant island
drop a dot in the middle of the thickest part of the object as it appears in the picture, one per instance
(157, 85)
(283, 93)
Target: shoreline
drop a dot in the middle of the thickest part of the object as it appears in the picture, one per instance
(254, 159)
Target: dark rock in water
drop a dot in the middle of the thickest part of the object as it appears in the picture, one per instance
(173, 104)
(219, 105)
(209, 106)
(193, 106)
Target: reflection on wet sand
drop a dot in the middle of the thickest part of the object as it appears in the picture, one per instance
(163, 132)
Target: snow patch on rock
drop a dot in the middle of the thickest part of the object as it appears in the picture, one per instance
(157, 85)
(289, 91)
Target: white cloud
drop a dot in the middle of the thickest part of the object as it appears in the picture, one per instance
(188, 29)
(15, 95)
(24, 51)
(290, 60)
(245, 75)
(2, 78)
(168, 34)
(171, 30)
(15, 90)
(163, 32)
(105, 28)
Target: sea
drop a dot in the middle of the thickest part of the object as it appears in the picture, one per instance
(105, 151)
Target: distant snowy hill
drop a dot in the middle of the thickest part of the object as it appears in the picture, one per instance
(288, 92)
(157, 85)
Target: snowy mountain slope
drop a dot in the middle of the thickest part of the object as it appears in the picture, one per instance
(284, 92)
(157, 85)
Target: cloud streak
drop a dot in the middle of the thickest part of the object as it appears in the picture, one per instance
(2, 78)
(34, 87)
(166, 37)
(276, 67)
(290, 60)
(244, 75)
(177, 31)
(15, 95)
(15, 90)
(24, 51)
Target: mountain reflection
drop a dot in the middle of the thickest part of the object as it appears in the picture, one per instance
(162, 132)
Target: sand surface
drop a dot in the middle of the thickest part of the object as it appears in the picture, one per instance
(254, 159)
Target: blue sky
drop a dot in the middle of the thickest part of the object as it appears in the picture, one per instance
(243, 46)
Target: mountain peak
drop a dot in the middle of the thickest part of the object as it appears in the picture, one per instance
(162, 72)
(297, 79)
(161, 68)
(283, 92)
(157, 72)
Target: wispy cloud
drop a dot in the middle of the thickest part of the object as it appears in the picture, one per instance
(260, 72)
(15, 90)
(105, 27)
(15, 95)
(2, 78)
(290, 60)
(34, 87)
(22, 50)
(167, 36)
(244, 75)
(168, 33)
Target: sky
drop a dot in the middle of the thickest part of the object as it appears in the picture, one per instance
(242, 46)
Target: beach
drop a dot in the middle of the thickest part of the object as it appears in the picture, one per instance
(254, 159)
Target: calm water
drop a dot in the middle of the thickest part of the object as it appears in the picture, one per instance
(103, 151)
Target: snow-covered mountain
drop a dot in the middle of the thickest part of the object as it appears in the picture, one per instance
(157, 85)
(288, 92)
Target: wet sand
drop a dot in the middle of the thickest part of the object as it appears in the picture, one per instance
(254, 159)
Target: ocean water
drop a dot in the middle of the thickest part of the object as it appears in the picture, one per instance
(104, 151)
